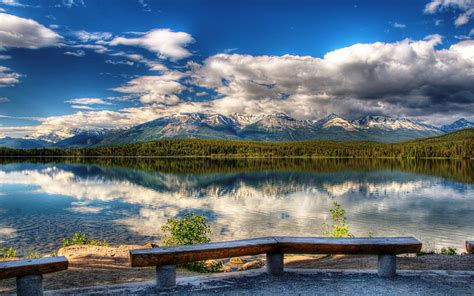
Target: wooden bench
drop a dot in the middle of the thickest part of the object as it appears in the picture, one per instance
(166, 258)
(470, 247)
(29, 273)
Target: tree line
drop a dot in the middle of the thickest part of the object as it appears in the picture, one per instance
(455, 145)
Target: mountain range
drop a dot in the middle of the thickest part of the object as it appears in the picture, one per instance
(239, 126)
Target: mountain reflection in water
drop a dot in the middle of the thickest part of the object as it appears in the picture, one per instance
(127, 200)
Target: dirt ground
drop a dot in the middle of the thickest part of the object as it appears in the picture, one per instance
(93, 265)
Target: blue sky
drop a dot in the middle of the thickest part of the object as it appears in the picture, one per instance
(73, 63)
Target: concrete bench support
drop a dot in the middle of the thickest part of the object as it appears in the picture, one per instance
(387, 266)
(29, 285)
(166, 277)
(275, 263)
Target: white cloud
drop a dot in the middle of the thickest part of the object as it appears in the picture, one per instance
(25, 33)
(410, 78)
(4, 100)
(88, 101)
(406, 78)
(85, 36)
(14, 3)
(144, 5)
(112, 62)
(73, 3)
(4, 57)
(82, 107)
(164, 42)
(94, 47)
(161, 89)
(398, 25)
(136, 58)
(8, 78)
(77, 53)
(466, 7)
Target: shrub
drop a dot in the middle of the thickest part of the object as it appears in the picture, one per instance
(450, 251)
(8, 252)
(189, 230)
(33, 255)
(80, 238)
(339, 227)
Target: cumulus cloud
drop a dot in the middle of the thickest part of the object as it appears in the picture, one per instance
(406, 78)
(88, 101)
(17, 32)
(8, 78)
(4, 100)
(161, 89)
(409, 78)
(164, 42)
(465, 7)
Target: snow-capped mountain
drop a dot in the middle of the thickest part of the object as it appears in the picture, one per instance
(59, 135)
(457, 125)
(240, 126)
(388, 123)
(335, 121)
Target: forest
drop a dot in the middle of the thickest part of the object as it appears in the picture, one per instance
(457, 145)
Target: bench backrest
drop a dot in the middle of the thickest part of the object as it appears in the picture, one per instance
(291, 245)
(19, 268)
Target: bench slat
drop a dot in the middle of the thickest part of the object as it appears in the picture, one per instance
(290, 245)
(18, 268)
(470, 247)
(348, 246)
(192, 253)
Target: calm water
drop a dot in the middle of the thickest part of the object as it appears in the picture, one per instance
(127, 200)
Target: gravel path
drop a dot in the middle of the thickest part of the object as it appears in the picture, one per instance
(299, 282)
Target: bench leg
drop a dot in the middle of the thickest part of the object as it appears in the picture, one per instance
(29, 285)
(275, 263)
(387, 266)
(166, 277)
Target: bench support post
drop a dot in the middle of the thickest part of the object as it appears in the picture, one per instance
(387, 265)
(275, 263)
(166, 277)
(29, 285)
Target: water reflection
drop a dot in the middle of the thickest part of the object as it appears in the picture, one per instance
(40, 203)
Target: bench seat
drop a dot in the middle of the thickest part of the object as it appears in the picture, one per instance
(166, 258)
(29, 273)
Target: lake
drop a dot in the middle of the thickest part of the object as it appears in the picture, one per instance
(126, 200)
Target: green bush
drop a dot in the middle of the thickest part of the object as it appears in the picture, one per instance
(339, 228)
(8, 252)
(80, 238)
(33, 255)
(189, 230)
(451, 251)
